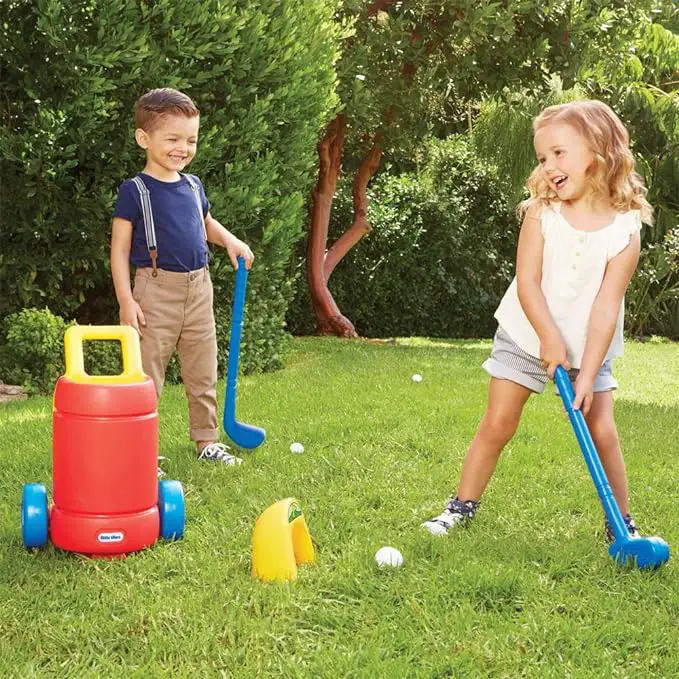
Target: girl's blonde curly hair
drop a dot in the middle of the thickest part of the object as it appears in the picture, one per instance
(612, 174)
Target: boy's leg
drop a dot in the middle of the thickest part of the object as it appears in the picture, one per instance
(161, 303)
(198, 358)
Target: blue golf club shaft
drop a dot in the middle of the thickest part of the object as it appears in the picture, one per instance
(590, 454)
(234, 343)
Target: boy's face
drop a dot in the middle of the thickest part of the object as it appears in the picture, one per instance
(564, 158)
(171, 144)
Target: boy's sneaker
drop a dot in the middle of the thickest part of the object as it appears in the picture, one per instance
(631, 528)
(456, 513)
(219, 453)
(161, 473)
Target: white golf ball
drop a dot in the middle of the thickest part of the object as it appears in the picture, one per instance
(416, 377)
(297, 448)
(389, 556)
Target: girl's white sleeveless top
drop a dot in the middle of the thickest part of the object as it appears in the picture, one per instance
(573, 267)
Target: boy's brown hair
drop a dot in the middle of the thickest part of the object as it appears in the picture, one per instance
(154, 105)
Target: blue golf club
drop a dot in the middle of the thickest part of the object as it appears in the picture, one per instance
(646, 552)
(242, 434)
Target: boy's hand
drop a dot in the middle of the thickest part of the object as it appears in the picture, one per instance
(553, 353)
(237, 248)
(583, 393)
(131, 314)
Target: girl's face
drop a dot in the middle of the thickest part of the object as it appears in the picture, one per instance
(171, 144)
(564, 158)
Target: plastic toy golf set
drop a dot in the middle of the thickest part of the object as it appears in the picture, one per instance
(107, 499)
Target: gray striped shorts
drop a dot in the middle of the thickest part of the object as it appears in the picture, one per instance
(508, 361)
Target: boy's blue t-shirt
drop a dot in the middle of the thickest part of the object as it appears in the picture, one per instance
(179, 232)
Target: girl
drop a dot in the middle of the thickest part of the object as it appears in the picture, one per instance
(578, 248)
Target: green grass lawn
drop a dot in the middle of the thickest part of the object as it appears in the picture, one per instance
(528, 590)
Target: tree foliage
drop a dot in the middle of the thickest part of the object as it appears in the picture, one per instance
(439, 257)
(409, 69)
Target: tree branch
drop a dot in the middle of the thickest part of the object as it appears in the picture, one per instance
(361, 226)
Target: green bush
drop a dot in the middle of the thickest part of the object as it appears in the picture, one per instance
(32, 349)
(651, 300)
(438, 259)
(261, 73)
(262, 343)
(102, 357)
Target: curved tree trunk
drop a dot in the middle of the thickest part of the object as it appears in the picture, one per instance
(322, 262)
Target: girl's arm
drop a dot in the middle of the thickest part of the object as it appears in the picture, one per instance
(529, 282)
(606, 307)
(218, 235)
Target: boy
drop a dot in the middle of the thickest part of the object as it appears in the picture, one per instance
(162, 224)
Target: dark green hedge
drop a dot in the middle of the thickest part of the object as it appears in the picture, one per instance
(439, 257)
(262, 75)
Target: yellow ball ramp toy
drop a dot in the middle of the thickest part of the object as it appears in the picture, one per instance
(280, 542)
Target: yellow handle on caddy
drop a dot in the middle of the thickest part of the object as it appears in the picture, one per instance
(131, 352)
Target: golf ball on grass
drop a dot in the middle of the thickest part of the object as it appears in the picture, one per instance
(416, 377)
(389, 556)
(297, 448)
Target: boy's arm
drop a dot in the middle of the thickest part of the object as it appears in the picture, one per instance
(218, 235)
(606, 307)
(121, 243)
(532, 299)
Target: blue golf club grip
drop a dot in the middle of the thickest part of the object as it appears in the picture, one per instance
(234, 343)
(590, 454)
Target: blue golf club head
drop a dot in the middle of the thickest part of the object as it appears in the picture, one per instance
(242, 434)
(644, 552)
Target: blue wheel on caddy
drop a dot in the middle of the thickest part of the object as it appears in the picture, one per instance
(34, 517)
(171, 509)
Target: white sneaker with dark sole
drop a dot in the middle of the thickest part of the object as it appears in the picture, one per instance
(456, 513)
(219, 454)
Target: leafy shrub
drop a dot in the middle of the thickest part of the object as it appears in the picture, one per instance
(261, 73)
(439, 256)
(32, 350)
(262, 343)
(102, 357)
(651, 299)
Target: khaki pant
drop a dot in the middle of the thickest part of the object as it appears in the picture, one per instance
(178, 312)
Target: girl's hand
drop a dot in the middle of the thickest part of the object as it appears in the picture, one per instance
(583, 393)
(131, 314)
(553, 353)
(237, 248)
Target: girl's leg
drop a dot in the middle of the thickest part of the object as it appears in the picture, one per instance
(506, 400)
(601, 425)
(505, 405)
